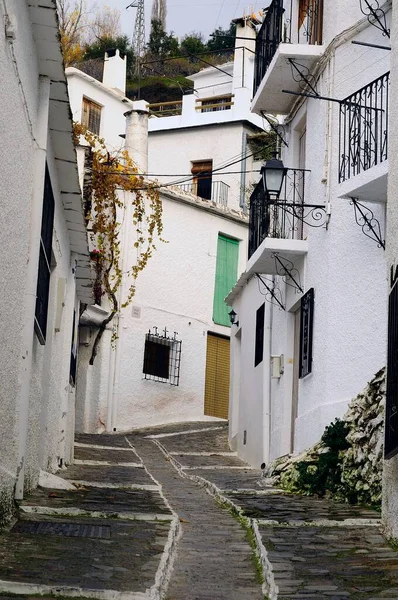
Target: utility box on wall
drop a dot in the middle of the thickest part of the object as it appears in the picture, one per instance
(277, 367)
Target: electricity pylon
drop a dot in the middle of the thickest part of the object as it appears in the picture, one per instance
(139, 34)
(159, 12)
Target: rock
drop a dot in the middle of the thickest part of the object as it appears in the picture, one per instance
(49, 480)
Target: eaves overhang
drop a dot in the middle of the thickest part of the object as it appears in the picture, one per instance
(46, 35)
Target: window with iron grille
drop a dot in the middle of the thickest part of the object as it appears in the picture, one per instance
(44, 274)
(162, 357)
(259, 348)
(91, 116)
(306, 333)
(391, 426)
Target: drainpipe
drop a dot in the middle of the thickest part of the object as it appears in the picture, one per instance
(268, 387)
(242, 200)
(39, 164)
(136, 144)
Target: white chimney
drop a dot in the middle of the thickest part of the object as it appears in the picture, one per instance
(115, 70)
(136, 142)
(244, 53)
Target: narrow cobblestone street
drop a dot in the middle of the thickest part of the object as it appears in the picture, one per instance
(172, 513)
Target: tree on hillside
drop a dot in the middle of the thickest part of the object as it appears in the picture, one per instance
(222, 39)
(159, 12)
(97, 49)
(105, 23)
(162, 44)
(193, 43)
(72, 18)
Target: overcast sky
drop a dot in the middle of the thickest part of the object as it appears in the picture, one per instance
(184, 16)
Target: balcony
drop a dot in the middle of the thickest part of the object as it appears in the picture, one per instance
(276, 227)
(363, 144)
(288, 45)
(165, 109)
(204, 188)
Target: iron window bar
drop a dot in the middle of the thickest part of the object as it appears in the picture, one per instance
(162, 356)
(285, 217)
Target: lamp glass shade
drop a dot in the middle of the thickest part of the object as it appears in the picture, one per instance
(273, 173)
(232, 316)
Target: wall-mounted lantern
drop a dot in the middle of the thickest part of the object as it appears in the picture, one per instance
(273, 174)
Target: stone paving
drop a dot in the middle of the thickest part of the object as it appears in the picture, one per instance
(142, 524)
(311, 548)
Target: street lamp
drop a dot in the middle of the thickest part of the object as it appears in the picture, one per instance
(273, 174)
(232, 317)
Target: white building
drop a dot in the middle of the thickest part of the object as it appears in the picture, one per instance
(44, 267)
(300, 356)
(210, 128)
(171, 360)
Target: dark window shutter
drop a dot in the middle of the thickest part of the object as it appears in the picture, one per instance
(306, 333)
(43, 278)
(259, 348)
(391, 426)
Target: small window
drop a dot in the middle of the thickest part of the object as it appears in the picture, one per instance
(162, 357)
(259, 348)
(306, 333)
(91, 116)
(44, 274)
(202, 182)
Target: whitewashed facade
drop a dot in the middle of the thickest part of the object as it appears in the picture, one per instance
(275, 409)
(175, 291)
(36, 344)
(221, 135)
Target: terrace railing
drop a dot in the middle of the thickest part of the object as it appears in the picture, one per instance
(363, 127)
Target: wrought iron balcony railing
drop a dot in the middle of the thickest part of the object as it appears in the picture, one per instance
(277, 28)
(205, 188)
(283, 218)
(363, 128)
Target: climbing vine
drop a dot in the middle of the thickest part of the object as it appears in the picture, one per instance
(106, 205)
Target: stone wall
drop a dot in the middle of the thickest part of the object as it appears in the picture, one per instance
(347, 462)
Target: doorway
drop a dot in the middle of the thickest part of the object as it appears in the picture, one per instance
(217, 376)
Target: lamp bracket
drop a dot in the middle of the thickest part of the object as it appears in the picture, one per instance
(313, 215)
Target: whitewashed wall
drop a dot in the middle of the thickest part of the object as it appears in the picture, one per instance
(172, 152)
(50, 410)
(175, 291)
(113, 103)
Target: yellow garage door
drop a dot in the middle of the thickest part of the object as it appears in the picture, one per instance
(217, 377)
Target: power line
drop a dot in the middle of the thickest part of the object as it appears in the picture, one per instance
(192, 177)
